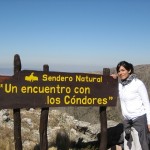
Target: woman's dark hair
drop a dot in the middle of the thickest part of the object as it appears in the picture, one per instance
(126, 65)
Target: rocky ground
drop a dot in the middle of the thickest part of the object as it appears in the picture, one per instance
(80, 134)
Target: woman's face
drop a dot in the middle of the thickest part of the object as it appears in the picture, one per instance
(123, 73)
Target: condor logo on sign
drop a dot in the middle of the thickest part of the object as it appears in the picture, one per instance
(31, 78)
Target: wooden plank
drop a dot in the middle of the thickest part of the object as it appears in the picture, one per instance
(16, 112)
(4, 78)
(44, 122)
(103, 120)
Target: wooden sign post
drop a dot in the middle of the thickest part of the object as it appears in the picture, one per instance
(44, 122)
(44, 89)
(103, 120)
(16, 111)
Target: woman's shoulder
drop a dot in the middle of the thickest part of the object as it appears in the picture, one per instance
(138, 81)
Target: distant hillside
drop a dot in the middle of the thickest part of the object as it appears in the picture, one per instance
(143, 73)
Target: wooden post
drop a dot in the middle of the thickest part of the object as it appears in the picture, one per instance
(44, 122)
(16, 112)
(103, 120)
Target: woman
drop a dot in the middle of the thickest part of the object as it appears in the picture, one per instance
(135, 108)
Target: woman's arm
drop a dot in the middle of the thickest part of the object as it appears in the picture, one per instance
(144, 95)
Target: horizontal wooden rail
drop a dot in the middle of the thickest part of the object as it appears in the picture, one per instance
(4, 78)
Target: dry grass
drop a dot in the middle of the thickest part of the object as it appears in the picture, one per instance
(6, 141)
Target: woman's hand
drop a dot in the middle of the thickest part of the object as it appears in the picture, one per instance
(149, 127)
(115, 76)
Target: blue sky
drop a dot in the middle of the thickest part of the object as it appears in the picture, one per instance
(74, 35)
